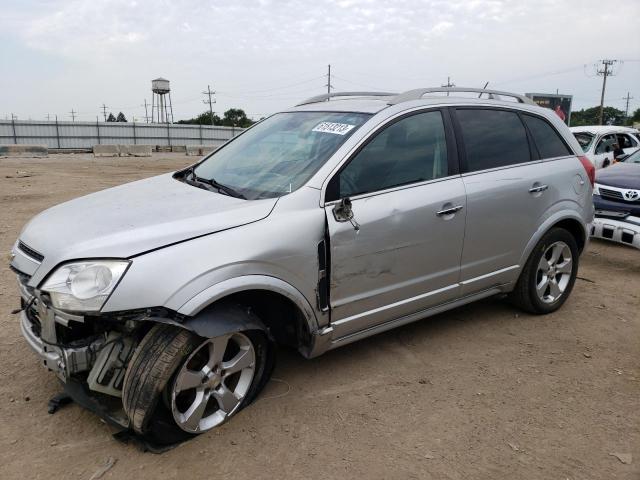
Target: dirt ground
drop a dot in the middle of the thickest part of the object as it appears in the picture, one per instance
(481, 392)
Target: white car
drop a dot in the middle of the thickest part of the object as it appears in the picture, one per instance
(597, 142)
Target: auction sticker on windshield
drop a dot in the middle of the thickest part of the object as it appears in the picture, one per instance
(332, 127)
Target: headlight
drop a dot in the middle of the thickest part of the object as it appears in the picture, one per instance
(84, 286)
(596, 189)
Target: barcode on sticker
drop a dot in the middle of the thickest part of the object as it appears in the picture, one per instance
(331, 127)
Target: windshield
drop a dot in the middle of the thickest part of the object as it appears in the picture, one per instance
(279, 155)
(633, 158)
(584, 139)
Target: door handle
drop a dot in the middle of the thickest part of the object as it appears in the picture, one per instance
(539, 188)
(449, 211)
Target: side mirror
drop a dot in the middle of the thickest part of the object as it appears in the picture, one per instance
(343, 212)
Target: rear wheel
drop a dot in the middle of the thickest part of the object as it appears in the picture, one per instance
(549, 274)
(179, 384)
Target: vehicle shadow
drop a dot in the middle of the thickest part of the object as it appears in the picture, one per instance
(482, 317)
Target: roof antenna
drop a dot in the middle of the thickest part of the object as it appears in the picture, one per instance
(484, 88)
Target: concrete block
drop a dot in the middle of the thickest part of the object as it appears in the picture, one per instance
(200, 150)
(106, 150)
(24, 151)
(135, 150)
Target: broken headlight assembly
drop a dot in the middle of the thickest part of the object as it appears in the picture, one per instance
(84, 286)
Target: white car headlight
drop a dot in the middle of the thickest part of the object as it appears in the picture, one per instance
(84, 286)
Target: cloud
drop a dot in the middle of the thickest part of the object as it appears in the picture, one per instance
(115, 47)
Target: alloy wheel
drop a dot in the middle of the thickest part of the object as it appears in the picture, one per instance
(212, 382)
(554, 272)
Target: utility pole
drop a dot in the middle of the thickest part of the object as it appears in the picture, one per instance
(146, 112)
(328, 85)
(605, 71)
(104, 111)
(73, 115)
(449, 84)
(626, 110)
(208, 93)
(48, 116)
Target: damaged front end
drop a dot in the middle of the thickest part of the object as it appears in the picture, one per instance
(90, 352)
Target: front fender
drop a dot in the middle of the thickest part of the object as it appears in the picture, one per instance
(250, 282)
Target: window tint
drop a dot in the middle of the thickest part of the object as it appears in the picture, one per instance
(547, 140)
(492, 138)
(411, 150)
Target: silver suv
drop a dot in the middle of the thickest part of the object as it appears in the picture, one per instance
(159, 303)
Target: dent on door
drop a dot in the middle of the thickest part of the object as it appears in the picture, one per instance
(393, 254)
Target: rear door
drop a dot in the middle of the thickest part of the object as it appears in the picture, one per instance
(508, 193)
(400, 251)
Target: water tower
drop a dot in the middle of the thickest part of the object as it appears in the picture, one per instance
(161, 109)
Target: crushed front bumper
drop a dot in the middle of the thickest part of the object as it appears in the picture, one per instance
(624, 230)
(49, 356)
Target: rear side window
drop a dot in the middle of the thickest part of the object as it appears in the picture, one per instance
(492, 138)
(548, 141)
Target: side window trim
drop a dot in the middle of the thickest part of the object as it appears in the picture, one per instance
(453, 167)
(534, 151)
(462, 154)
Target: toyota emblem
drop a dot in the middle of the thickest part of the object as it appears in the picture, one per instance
(631, 195)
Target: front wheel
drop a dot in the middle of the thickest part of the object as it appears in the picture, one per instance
(179, 384)
(549, 274)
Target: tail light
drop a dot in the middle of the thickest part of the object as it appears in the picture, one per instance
(590, 169)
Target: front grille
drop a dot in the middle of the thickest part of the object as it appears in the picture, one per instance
(30, 252)
(612, 194)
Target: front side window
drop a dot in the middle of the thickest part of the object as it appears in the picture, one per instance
(548, 141)
(605, 145)
(492, 138)
(280, 154)
(626, 141)
(410, 150)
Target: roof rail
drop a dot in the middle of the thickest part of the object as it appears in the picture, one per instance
(326, 96)
(418, 93)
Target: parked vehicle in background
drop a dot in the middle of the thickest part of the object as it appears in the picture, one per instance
(598, 142)
(158, 303)
(616, 198)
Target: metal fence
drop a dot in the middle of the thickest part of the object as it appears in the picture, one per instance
(54, 134)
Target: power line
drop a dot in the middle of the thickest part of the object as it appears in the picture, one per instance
(449, 84)
(626, 110)
(605, 71)
(328, 85)
(104, 111)
(146, 112)
(209, 93)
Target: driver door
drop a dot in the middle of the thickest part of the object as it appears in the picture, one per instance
(396, 225)
(604, 151)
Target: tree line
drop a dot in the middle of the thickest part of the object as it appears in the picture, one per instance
(234, 117)
(610, 116)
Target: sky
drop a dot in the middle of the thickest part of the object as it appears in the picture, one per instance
(266, 55)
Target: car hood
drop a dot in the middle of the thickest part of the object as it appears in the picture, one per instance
(136, 217)
(622, 175)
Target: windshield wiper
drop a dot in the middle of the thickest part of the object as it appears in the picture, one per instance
(221, 187)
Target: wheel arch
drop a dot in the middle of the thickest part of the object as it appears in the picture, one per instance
(569, 221)
(284, 313)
